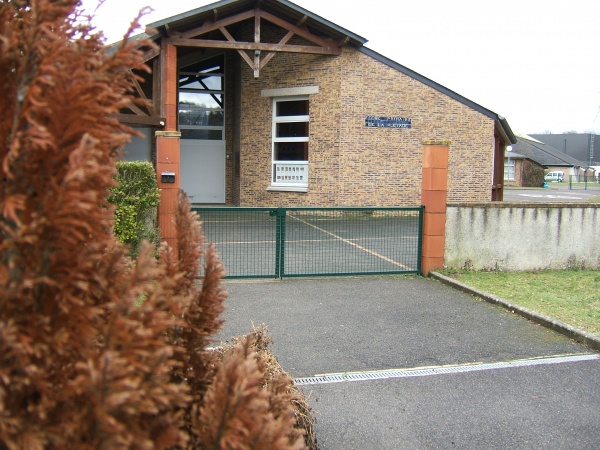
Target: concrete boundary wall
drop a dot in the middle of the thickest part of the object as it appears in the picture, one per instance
(522, 236)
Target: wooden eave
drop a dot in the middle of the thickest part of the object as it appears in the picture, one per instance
(195, 38)
(236, 10)
(192, 29)
(142, 112)
(134, 119)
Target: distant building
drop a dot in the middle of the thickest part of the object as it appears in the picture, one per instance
(584, 147)
(548, 157)
(515, 168)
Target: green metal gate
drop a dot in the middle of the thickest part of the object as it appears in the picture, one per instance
(299, 242)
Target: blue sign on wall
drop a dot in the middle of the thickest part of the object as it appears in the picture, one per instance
(387, 122)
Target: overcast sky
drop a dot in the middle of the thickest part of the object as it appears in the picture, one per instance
(535, 62)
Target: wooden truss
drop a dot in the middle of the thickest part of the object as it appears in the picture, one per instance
(144, 111)
(150, 111)
(193, 38)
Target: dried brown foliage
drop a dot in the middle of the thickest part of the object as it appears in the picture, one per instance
(97, 351)
(245, 409)
(285, 399)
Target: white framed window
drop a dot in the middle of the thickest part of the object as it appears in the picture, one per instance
(509, 169)
(290, 143)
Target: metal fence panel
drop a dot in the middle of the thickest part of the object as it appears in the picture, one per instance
(246, 239)
(584, 182)
(294, 242)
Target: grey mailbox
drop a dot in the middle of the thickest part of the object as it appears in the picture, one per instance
(167, 177)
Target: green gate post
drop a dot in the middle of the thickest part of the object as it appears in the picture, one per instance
(280, 243)
(420, 238)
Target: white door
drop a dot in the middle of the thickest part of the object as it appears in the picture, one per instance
(203, 170)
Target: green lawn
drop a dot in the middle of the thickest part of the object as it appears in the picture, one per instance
(570, 296)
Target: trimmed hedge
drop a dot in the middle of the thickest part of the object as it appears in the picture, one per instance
(533, 175)
(136, 199)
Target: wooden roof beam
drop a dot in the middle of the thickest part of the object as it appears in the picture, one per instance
(302, 21)
(138, 111)
(213, 25)
(142, 95)
(228, 45)
(257, 25)
(299, 30)
(147, 56)
(270, 55)
(242, 53)
(134, 119)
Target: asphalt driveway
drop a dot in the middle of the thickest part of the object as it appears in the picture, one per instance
(493, 379)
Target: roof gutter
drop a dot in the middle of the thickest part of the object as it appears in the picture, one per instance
(505, 131)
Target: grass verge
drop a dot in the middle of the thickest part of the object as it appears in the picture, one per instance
(570, 296)
(593, 200)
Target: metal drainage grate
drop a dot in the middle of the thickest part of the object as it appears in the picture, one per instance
(439, 370)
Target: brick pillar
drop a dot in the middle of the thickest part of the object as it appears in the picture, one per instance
(168, 151)
(434, 189)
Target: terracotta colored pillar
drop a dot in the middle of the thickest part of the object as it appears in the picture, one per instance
(170, 81)
(434, 190)
(167, 172)
(168, 150)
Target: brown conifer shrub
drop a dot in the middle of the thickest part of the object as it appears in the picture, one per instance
(238, 412)
(275, 382)
(97, 351)
(81, 364)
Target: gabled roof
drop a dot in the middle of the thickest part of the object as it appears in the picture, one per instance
(543, 154)
(284, 9)
(514, 155)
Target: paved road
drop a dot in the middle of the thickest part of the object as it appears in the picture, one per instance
(522, 398)
(557, 192)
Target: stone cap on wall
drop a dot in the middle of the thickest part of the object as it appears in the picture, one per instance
(446, 143)
(173, 134)
(521, 205)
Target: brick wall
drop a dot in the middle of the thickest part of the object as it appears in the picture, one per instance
(231, 135)
(519, 168)
(285, 71)
(350, 164)
(386, 162)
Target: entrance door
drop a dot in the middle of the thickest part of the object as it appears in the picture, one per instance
(202, 127)
(203, 170)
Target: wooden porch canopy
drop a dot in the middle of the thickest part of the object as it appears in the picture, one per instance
(213, 27)
(206, 27)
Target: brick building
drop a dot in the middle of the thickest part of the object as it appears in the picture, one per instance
(262, 103)
(518, 170)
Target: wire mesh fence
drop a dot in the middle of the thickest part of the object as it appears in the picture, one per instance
(585, 182)
(294, 242)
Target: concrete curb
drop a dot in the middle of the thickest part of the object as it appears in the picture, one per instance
(584, 337)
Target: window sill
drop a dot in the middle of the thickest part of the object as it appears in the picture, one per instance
(287, 188)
